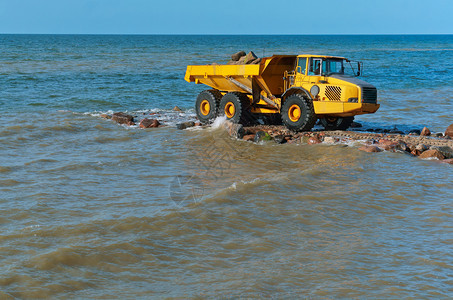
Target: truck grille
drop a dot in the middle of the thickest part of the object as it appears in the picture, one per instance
(333, 93)
(369, 95)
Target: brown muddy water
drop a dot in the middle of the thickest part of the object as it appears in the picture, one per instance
(91, 209)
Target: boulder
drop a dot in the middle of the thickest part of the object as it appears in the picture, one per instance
(431, 154)
(176, 108)
(370, 149)
(425, 132)
(449, 131)
(421, 147)
(149, 123)
(313, 140)
(250, 57)
(234, 130)
(249, 137)
(355, 125)
(280, 139)
(256, 61)
(236, 56)
(414, 132)
(448, 161)
(185, 125)
(123, 118)
(446, 151)
(330, 140)
(262, 136)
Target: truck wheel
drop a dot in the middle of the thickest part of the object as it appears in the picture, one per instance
(207, 105)
(336, 123)
(235, 106)
(298, 113)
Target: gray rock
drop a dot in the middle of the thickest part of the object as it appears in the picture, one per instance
(262, 136)
(234, 130)
(185, 125)
(236, 56)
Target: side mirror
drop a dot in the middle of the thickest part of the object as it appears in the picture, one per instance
(358, 67)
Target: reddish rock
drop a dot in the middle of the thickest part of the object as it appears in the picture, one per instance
(105, 116)
(449, 131)
(149, 123)
(416, 152)
(176, 108)
(425, 132)
(313, 140)
(249, 137)
(123, 118)
(370, 149)
(432, 154)
(448, 161)
(198, 123)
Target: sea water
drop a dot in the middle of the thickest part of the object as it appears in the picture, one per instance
(93, 209)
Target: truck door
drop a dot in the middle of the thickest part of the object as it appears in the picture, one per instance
(301, 71)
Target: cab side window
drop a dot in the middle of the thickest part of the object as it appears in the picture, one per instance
(301, 65)
(315, 66)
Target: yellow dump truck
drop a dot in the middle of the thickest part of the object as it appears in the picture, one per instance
(298, 88)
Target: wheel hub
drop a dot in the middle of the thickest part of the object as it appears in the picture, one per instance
(294, 113)
(205, 107)
(230, 110)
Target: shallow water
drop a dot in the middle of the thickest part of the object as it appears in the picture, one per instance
(92, 209)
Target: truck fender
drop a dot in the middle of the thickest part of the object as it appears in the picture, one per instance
(296, 90)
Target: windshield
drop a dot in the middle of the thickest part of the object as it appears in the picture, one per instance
(338, 66)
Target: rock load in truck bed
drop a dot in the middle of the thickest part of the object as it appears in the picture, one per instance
(241, 58)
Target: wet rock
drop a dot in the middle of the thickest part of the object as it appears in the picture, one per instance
(425, 132)
(234, 130)
(446, 151)
(438, 134)
(262, 136)
(185, 125)
(414, 132)
(396, 131)
(105, 116)
(250, 57)
(355, 125)
(448, 161)
(149, 123)
(330, 140)
(432, 154)
(249, 137)
(123, 118)
(236, 56)
(198, 123)
(280, 139)
(313, 140)
(421, 147)
(415, 152)
(449, 131)
(370, 149)
(176, 108)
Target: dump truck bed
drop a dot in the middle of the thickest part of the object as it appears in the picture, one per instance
(269, 74)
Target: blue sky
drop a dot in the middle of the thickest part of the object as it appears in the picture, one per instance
(227, 16)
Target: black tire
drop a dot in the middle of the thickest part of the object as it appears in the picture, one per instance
(336, 123)
(236, 107)
(207, 105)
(298, 113)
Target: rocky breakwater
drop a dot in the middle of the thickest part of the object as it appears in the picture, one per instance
(424, 146)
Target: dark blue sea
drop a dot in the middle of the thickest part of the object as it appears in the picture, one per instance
(93, 209)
